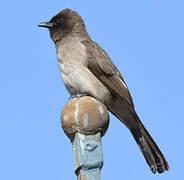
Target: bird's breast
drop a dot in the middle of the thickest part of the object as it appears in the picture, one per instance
(72, 50)
(72, 62)
(79, 79)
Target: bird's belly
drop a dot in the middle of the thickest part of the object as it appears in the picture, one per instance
(79, 79)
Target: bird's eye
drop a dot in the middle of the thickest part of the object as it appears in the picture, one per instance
(59, 20)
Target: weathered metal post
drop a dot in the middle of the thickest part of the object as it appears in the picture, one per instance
(85, 120)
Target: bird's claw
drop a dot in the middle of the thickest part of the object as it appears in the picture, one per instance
(78, 95)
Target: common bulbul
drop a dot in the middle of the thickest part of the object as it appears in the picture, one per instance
(86, 68)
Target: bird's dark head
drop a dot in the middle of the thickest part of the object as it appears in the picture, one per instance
(63, 23)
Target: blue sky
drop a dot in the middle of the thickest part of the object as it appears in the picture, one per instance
(145, 40)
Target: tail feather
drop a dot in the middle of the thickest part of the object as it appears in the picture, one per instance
(152, 154)
(150, 150)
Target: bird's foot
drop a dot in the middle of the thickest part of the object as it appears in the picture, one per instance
(78, 95)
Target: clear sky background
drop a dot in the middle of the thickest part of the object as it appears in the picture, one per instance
(145, 40)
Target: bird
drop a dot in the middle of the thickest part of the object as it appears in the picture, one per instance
(86, 69)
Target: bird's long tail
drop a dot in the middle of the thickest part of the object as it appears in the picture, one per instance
(150, 150)
(148, 147)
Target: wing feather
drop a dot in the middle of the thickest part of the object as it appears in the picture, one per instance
(103, 68)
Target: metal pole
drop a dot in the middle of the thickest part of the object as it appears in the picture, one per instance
(85, 120)
(87, 153)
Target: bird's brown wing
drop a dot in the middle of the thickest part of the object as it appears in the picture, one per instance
(102, 67)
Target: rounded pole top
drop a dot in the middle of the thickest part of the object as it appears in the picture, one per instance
(85, 115)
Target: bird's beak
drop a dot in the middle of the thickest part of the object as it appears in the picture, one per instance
(46, 25)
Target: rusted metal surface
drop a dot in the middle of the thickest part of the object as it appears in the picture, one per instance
(85, 120)
(81, 176)
(93, 174)
(95, 138)
(85, 115)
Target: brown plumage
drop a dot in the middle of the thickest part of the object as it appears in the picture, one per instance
(87, 69)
